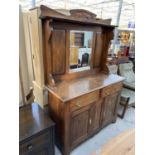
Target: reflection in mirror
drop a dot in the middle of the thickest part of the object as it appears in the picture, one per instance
(80, 50)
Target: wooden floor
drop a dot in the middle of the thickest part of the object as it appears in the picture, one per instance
(123, 144)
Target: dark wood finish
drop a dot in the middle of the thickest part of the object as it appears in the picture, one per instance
(48, 13)
(79, 87)
(94, 119)
(36, 131)
(109, 108)
(124, 102)
(47, 55)
(86, 105)
(106, 37)
(79, 126)
(125, 106)
(98, 49)
(57, 42)
(73, 26)
(73, 76)
(111, 89)
(80, 13)
(58, 51)
(81, 103)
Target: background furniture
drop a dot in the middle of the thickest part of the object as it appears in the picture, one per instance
(126, 70)
(74, 56)
(85, 59)
(36, 131)
(127, 95)
(127, 100)
(118, 60)
(123, 144)
(113, 69)
(82, 102)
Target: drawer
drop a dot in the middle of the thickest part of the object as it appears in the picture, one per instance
(111, 89)
(84, 100)
(35, 142)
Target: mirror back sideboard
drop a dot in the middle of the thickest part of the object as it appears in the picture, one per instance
(84, 100)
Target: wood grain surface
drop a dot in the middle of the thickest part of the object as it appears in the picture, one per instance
(123, 144)
(78, 87)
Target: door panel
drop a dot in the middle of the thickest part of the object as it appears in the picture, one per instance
(85, 122)
(98, 49)
(94, 117)
(58, 47)
(79, 127)
(109, 106)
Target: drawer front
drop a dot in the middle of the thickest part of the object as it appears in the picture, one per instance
(84, 100)
(111, 89)
(35, 142)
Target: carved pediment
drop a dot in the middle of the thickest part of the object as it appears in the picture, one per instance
(80, 13)
(75, 15)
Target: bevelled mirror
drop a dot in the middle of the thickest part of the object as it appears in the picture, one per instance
(80, 50)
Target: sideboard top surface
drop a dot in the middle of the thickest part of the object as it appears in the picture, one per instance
(67, 90)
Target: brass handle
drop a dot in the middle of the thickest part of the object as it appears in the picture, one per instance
(106, 93)
(78, 105)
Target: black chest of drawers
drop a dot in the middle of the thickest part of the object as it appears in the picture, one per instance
(36, 131)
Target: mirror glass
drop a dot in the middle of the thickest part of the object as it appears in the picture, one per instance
(80, 50)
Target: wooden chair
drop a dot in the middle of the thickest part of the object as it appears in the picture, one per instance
(85, 59)
(113, 69)
(127, 100)
(127, 95)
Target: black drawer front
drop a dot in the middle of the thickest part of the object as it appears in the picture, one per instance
(35, 142)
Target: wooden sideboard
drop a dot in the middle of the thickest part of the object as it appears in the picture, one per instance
(82, 97)
(36, 131)
(82, 107)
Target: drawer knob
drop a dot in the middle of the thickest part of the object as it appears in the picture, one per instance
(78, 105)
(29, 147)
(106, 93)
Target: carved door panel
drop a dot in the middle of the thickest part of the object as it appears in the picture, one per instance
(84, 122)
(98, 50)
(79, 126)
(58, 47)
(109, 108)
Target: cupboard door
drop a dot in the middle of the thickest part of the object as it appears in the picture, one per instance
(94, 117)
(58, 47)
(84, 122)
(79, 126)
(98, 49)
(109, 108)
